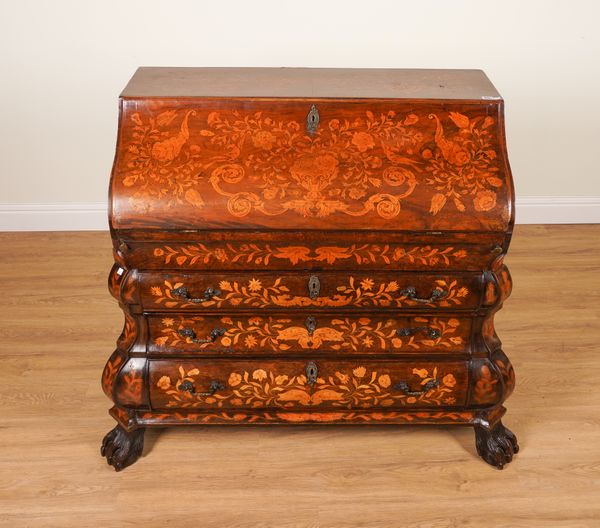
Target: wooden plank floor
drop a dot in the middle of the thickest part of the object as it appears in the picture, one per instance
(59, 325)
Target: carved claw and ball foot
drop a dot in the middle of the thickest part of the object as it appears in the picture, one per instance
(496, 445)
(122, 448)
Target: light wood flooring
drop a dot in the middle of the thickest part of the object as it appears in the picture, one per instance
(59, 325)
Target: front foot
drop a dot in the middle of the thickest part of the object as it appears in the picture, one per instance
(496, 445)
(122, 448)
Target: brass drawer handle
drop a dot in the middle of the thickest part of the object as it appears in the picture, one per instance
(184, 293)
(215, 333)
(404, 387)
(411, 293)
(188, 386)
(433, 333)
(314, 287)
(312, 120)
(311, 372)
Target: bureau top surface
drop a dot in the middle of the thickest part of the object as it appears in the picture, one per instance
(316, 83)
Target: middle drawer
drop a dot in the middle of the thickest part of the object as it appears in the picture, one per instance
(289, 334)
(214, 291)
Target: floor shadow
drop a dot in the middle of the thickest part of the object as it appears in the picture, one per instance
(151, 436)
(463, 436)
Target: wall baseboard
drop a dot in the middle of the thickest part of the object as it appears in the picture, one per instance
(84, 216)
(558, 210)
(88, 216)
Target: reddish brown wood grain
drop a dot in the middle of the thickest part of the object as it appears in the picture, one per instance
(224, 164)
(285, 334)
(339, 384)
(284, 250)
(285, 83)
(310, 246)
(259, 291)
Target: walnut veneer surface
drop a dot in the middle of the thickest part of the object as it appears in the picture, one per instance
(293, 247)
(311, 82)
(58, 323)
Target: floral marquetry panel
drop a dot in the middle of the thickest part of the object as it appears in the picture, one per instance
(338, 384)
(290, 291)
(129, 384)
(292, 334)
(111, 369)
(272, 256)
(368, 165)
(301, 250)
(487, 381)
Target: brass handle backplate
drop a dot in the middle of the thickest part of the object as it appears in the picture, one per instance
(404, 387)
(184, 293)
(188, 386)
(433, 333)
(411, 293)
(215, 333)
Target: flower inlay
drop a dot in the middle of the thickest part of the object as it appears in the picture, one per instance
(343, 334)
(360, 388)
(200, 254)
(353, 166)
(357, 292)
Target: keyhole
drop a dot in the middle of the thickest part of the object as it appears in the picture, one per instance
(314, 287)
(311, 325)
(311, 372)
(312, 120)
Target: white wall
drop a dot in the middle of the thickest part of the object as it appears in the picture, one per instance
(63, 64)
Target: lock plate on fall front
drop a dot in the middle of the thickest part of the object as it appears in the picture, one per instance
(312, 120)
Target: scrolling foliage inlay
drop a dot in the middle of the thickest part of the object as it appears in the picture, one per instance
(276, 333)
(199, 254)
(353, 166)
(365, 292)
(262, 388)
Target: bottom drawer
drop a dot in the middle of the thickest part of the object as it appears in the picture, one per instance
(204, 384)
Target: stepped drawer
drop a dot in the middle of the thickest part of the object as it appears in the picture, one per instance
(285, 334)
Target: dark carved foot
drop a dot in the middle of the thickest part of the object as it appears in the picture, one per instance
(496, 445)
(122, 448)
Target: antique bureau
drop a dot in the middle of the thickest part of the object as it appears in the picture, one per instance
(309, 246)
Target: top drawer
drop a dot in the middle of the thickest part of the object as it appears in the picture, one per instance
(310, 250)
(214, 163)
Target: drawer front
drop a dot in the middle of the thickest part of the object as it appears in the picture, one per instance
(313, 250)
(233, 335)
(258, 384)
(321, 291)
(240, 164)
